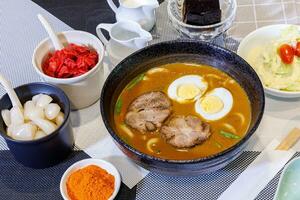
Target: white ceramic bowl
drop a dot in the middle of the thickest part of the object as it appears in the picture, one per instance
(90, 161)
(83, 90)
(261, 37)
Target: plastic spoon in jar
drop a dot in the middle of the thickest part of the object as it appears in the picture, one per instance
(10, 91)
(53, 37)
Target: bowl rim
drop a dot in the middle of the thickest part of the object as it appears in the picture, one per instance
(67, 111)
(92, 161)
(172, 17)
(248, 134)
(251, 36)
(73, 79)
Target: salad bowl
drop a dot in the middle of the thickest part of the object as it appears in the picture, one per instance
(257, 41)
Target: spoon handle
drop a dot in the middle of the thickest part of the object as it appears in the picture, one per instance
(56, 43)
(10, 91)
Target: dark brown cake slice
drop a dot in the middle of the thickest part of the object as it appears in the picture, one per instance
(201, 12)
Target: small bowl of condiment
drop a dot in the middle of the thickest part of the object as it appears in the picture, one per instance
(201, 19)
(38, 132)
(90, 179)
(77, 68)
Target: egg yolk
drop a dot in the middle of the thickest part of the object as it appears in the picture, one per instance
(211, 104)
(188, 91)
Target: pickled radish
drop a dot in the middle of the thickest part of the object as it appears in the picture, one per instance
(31, 111)
(23, 132)
(59, 119)
(16, 116)
(45, 125)
(43, 100)
(6, 117)
(39, 134)
(9, 131)
(38, 119)
(52, 110)
(73, 60)
(35, 98)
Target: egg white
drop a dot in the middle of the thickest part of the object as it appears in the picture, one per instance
(196, 80)
(225, 96)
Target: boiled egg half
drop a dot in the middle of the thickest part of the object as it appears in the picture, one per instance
(187, 88)
(215, 105)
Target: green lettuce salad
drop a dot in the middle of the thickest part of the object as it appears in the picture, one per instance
(272, 71)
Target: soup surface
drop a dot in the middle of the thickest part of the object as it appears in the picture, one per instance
(225, 130)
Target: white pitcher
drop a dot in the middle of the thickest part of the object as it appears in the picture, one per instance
(126, 37)
(140, 11)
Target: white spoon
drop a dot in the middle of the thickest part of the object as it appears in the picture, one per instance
(10, 91)
(55, 41)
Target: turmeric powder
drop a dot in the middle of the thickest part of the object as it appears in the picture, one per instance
(90, 183)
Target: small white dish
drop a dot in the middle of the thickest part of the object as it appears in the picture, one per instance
(90, 161)
(259, 38)
(289, 182)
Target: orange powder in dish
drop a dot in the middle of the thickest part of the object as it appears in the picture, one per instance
(90, 183)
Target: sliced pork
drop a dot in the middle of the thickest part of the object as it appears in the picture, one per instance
(185, 131)
(148, 111)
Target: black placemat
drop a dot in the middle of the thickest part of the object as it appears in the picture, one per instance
(207, 186)
(22, 183)
(81, 14)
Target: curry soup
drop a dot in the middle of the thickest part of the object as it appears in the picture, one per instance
(225, 132)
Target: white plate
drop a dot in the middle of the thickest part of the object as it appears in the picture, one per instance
(259, 38)
(91, 161)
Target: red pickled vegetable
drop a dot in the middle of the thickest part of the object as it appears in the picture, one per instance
(71, 61)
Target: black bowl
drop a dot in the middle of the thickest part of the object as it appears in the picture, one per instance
(182, 51)
(51, 149)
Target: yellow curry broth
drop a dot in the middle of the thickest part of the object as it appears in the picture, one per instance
(160, 81)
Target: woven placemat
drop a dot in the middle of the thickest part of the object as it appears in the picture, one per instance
(22, 183)
(208, 186)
